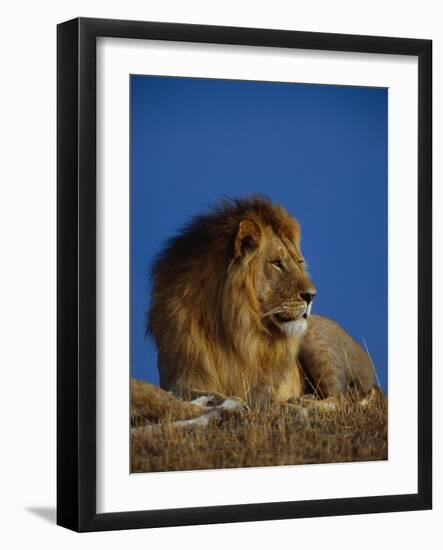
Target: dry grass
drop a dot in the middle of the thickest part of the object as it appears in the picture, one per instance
(340, 431)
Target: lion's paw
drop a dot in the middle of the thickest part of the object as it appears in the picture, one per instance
(233, 404)
(204, 401)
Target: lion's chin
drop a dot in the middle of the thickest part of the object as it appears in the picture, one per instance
(294, 328)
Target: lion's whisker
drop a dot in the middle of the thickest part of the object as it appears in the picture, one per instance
(271, 312)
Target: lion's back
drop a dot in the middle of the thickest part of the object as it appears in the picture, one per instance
(333, 361)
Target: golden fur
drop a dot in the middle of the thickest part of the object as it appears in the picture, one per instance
(230, 300)
(151, 403)
(333, 361)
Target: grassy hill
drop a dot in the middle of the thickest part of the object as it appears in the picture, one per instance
(340, 430)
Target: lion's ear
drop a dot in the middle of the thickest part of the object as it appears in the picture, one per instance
(247, 239)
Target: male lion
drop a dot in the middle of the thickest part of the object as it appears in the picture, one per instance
(231, 300)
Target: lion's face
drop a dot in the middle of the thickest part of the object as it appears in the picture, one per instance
(283, 289)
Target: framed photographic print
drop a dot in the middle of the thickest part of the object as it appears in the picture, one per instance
(244, 274)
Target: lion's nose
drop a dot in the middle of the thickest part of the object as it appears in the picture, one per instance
(307, 296)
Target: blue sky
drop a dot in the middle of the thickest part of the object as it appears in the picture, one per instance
(321, 151)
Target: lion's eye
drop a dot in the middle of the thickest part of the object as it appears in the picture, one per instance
(278, 264)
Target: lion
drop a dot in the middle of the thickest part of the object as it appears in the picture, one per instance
(230, 309)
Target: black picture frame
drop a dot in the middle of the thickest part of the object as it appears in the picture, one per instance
(76, 273)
